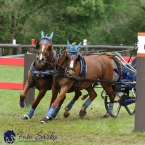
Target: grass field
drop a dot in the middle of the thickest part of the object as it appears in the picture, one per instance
(92, 130)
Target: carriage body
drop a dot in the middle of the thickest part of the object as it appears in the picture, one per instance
(125, 89)
(127, 81)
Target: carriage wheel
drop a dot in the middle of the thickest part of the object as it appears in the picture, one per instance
(103, 94)
(130, 107)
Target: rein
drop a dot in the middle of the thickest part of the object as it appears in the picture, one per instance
(78, 78)
(62, 74)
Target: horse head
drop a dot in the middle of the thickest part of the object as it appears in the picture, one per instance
(72, 57)
(44, 47)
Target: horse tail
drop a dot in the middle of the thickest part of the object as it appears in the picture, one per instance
(118, 64)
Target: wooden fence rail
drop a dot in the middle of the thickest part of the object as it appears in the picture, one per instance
(86, 48)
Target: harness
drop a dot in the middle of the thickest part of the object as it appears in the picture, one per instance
(83, 72)
(84, 67)
(63, 74)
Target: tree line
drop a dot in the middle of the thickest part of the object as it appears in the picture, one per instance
(99, 21)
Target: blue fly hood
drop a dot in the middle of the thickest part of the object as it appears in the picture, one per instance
(73, 47)
(73, 50)
(45, 39)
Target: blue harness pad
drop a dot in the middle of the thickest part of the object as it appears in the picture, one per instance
(84, 67)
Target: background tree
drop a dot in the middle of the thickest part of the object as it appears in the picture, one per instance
(100, 21)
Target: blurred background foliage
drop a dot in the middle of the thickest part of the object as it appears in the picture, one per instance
(100, 21)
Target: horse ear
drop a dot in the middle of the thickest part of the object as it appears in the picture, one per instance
(68, 44)
(51, 36)
(42, 34)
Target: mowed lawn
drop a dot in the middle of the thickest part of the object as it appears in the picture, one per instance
(91, 130)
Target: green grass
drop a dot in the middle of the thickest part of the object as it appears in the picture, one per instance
(91, 130)
(11, 74)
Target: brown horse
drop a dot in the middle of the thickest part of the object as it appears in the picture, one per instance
(40, 74)
(74, 73)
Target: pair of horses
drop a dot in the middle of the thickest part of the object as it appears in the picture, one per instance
(71, 72)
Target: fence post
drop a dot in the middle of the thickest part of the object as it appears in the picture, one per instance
(28, 59)
(140, 90)
(19, 49)
(31, 49)
(86, 50)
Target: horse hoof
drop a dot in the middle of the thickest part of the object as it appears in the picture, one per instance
(45, 119)
(25, 117)
(22, 106)
(82, 113)
(66, 114)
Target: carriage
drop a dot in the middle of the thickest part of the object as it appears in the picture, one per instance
(125, 89)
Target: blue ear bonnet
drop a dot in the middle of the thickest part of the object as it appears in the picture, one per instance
(73, 51)
(46, 39)
(73, 47)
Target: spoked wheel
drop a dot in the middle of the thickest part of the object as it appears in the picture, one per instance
(130, 107)
(121, 100)
(103, 94)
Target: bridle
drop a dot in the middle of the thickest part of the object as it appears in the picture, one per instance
(72, 55)
(44, 41)
(46, 55)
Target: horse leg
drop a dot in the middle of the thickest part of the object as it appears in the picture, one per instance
(92, 95)
(58, 107)
(54, 93)
(111, 93)
(49, 115)
(41, 94)
(23, 94)
(71, 103)
(85, 96)
(54, 96)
